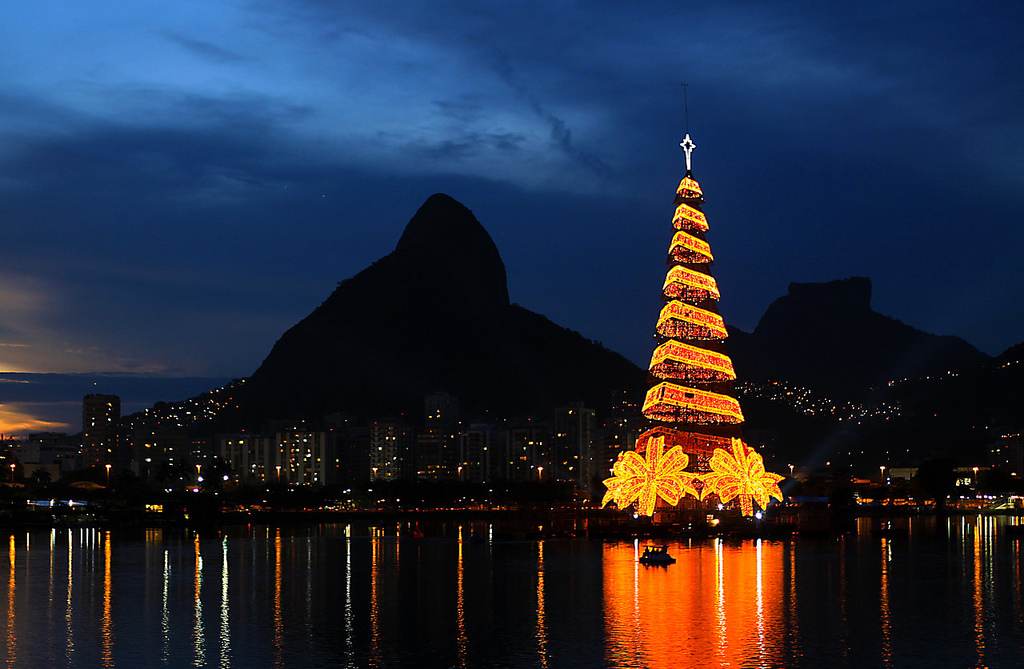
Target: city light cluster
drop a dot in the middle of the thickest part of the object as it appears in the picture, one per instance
(188, 412)
(809, 403)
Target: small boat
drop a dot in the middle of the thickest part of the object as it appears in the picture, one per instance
(656, 555)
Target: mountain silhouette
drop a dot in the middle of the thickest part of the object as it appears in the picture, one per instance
(825, 336)
(433, 315)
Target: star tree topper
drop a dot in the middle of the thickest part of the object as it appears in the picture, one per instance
(688, 147)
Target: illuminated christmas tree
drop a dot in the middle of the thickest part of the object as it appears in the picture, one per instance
(690, 402)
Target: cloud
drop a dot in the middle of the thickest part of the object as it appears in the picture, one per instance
(38, 402)
(181, 182)
(206, 49)
(22, 419)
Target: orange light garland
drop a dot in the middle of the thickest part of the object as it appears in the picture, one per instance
(689, 189)
(687, 248)
(677, 360)
(640, 480)
(691, 442)
(683, 282)
(741, 474)
(679, 320)
(673, 403)
(688, 218)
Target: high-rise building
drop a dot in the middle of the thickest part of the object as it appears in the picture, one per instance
(573, 441)
(392, 450)
(694, 448)
(480, 456)
(437, 442)
(305, 455)
(440, 410)
(251, 458)
(100, 417)
(527, 451)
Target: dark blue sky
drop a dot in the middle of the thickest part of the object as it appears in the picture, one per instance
(180, 182)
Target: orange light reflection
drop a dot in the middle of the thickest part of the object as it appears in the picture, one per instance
(278, 620)
(106, 625)
(198, 637)
(731, 596)
(542, 630)
(883, 605)
(460, 615)
(376, 659)
(12, 636)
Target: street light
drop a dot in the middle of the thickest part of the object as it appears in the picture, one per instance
(12, 472)
(881, 472)
(791, 471)
(108, 475)
(540, 473)
(975, 477)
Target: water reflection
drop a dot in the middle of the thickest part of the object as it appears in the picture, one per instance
(278, 613)
(12, 637)
(354, 596)
(542, 630)
(107, 623)
(729, 595)
(225, 609)
(375, 649)
(883, 603)
(460, 599)
(165, 613)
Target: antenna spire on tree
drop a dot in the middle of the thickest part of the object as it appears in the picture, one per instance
(687, 143)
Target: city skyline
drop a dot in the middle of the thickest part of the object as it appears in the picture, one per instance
(183, 183)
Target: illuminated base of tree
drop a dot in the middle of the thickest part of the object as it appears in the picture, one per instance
(722, 469)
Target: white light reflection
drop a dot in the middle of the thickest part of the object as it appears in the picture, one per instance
(165, 613)
(637, 619)
(198, 637)
(50, 593)
(760, 602)
(349, 627)
(309, 585)
(723, 634)
(460, 611)
(225, 609)
(69, 645)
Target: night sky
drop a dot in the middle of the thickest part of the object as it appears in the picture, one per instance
(180, 182)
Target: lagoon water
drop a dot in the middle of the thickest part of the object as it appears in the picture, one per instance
(936, 592)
